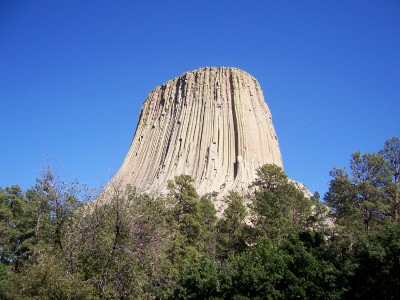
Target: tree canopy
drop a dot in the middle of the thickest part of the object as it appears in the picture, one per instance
(274, 243)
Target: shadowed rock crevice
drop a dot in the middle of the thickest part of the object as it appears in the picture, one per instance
(235, 126)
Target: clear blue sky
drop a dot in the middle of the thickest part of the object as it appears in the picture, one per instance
(74, 75)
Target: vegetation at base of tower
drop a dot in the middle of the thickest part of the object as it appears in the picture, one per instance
(55, 244)
(278, 207)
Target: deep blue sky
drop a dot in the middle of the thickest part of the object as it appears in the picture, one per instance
(74, 75)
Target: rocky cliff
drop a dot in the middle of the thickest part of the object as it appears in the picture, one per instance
(212, 124)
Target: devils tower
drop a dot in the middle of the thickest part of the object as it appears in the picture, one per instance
(211, 123)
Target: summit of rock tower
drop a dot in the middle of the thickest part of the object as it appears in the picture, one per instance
(212, 124)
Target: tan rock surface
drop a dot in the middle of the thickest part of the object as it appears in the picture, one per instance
(212, 124)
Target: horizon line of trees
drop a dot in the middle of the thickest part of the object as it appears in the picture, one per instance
(57, 244)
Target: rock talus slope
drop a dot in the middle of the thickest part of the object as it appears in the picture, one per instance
(212, 124)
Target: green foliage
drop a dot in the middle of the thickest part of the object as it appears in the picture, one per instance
(278, 206)
(185, 208)
(364, 204)
(49, 279)
(391, 153)
(232, 227)
(309, 273)
(255, 273)
(5, 281)
(198, 280)
(359, 200)
(127, 245)
(192, 220)
(15, 226)
(208, 221)
(116, 245)
(377, 271)
(295, 268)
(318, 219)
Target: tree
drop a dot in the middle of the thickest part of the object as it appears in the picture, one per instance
(376, 261)
(183, 221)
(186, 207)
(14, 228)
(208, 221)
(231, 227)
(278, 206)
(319, 220)
(198, 280)
(52, 202)
(191, 221)
(309, 274)
(4, 281)
(48, 280)
(391, 152)
(359, 199)
(117, 243)
(255, 273)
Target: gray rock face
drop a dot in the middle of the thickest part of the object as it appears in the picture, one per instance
(212, 124)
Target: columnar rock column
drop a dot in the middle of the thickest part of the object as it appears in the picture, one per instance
(212, 124)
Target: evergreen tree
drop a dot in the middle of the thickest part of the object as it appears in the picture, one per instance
(278, 206)
(376, 265)
(14, 227)
(208, 221)
(117, 243)
(232, 226)
(359, 201)
(391, 152)
(127, 245)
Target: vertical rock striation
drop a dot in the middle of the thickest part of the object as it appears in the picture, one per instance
(212, 124)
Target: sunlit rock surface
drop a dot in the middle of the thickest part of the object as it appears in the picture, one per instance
(211, 123)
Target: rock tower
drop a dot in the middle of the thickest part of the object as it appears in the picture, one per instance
(212, 124)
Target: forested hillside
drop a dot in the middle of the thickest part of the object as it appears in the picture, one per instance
(57, 243)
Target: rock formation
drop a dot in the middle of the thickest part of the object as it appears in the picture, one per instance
(212, 124)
